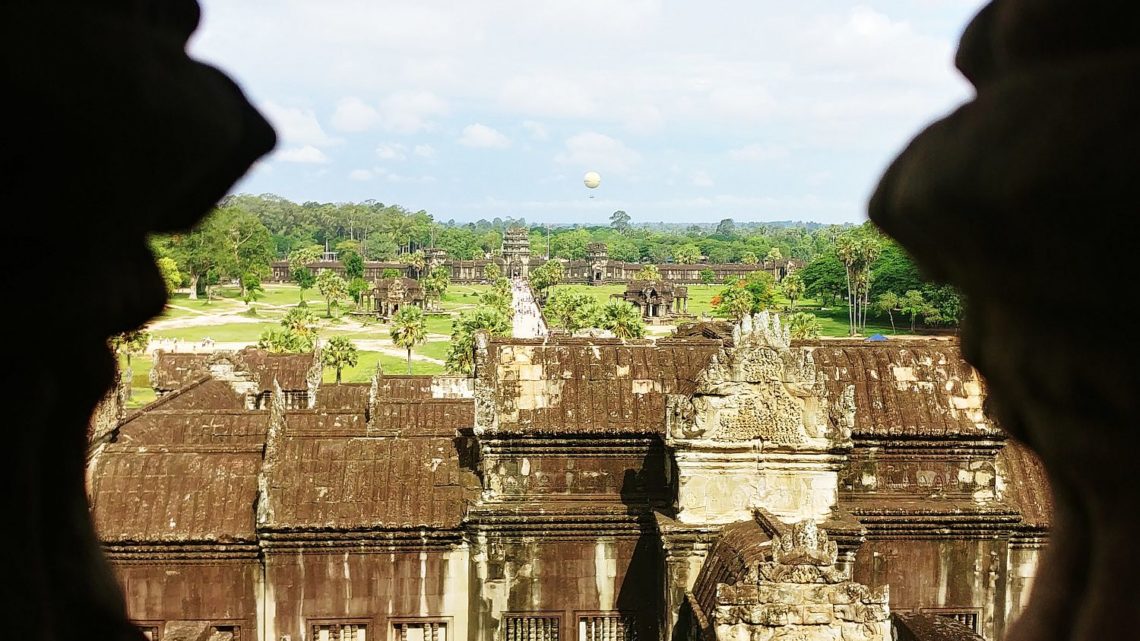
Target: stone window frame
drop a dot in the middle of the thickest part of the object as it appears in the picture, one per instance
(629, 617)
(313, 625)
(227, 626)
(395, 622)
(153, 626)
(522, 615)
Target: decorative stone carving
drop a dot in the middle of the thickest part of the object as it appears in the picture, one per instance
(801, 594)
(758, 431)
(762, 390)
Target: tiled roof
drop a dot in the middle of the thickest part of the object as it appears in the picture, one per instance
(440, 417)
(906, 389)
(1026, 484)
(591, 386)
(173, 370)
(194, 427)
(157, 496)
(346, 396)
(365, 483)
(404, 387)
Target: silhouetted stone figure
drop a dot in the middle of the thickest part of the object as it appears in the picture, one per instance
(113, 133)
(1005, 198)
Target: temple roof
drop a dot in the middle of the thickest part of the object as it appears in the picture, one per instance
(187, 496)
(1026, 484)
(365, 483)
(906, 388)
(591, 386)
(173, 370)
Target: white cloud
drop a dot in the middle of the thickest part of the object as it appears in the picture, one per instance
(391, 151)
(758, 152)
(594, 151)
(307, 154)
(536, 130)
(424, 151)
(354, 115)
(483, 137)
(296, 126)
(361, 175)
(408, 112)
(702, 179)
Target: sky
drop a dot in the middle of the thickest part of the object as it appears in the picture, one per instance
(691, 111)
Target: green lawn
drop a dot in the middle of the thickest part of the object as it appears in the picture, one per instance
(227, 333)
(599, 292)
(366, 365)
(141, 392)
(439, 325)
(433, 349)
(460, 297)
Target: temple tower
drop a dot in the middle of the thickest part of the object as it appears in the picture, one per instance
(516, 253)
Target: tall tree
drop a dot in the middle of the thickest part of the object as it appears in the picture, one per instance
(298, 333)
(749, 258)
(332, 288)
(461, 351)
(858, 250)
(353, 263)
(550, 274)
(773, 255)
(726, 227)
(339, 353)
(648, 272)
(913, 304)
(171, 276)
(619, 220)
(409, 328)
(436, 283)
(888, 303)
(793, 288)
(299, 267)
(687, 254)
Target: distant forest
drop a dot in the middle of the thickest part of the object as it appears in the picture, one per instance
(839, 264)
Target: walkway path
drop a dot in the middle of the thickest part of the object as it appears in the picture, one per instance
(527, 321)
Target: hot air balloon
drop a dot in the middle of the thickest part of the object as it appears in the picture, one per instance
(592, 179)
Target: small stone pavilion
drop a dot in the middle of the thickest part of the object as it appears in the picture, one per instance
(390, 294)
(656, 299)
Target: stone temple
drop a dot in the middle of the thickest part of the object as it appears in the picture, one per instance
(724, 483)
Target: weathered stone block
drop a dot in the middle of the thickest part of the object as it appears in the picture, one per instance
(774, 615)
(817, 615)
(845, 612)
(186, 630)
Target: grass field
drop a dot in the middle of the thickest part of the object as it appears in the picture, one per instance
(362, 373)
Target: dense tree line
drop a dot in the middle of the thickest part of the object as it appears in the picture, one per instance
(843, 265)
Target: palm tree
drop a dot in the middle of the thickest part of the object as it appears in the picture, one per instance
(803, 325)
(622, 319)
(339, 353)
(409, 328)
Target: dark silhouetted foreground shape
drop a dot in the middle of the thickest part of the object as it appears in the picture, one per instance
(1003, 198)
(115, 131)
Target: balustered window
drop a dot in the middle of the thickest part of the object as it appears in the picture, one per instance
(339, 632)
(607, 626)
(531, 627)
(419, 630)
